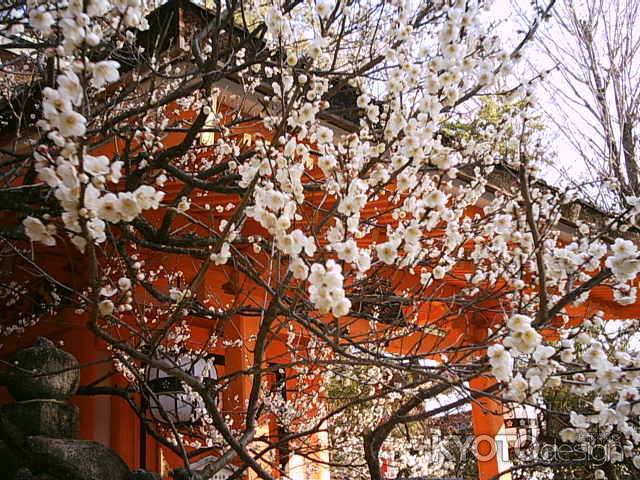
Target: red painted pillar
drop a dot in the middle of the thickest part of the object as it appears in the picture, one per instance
(488, 426)
(240, 333)
(490, 445)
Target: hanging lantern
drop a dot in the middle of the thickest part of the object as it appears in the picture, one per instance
(172, 403)
(522, 425)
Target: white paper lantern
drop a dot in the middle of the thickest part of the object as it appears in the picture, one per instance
(172, 402)
(522, 426)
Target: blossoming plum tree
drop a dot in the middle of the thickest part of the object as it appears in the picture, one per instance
(278, 172)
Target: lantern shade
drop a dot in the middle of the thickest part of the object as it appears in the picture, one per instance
(172, 403)
(222, 474)
(201, 464)
(522, 426)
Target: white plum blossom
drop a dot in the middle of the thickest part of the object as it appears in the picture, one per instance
(124, 283)
(221, 257)
(274, 21)
(579, 421)
(148, 197)
(295, 242)
(105, 308)
(104, 72)
(595, 356)
(183, 205)
(299, 269)
(128, 206)
(324, 8)
(96, 165)
(49, 176)
(518, 387)
(38, 232)
(71, 124)
(412, 234)
(435, 199)
(501, 363)
(347, 251)
(519, 323)
(543, 353)
(503, 224)
(69, 88)
(363, 261)
(109, 208)
(41, 20)
(96, 228)
(439, 272)
(625, 295)
(387, 252)
(525, 341)
(324, 135)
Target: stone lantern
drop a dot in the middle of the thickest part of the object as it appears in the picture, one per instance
(38, 432)
(42, 378)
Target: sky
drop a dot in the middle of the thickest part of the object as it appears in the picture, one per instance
(509, 12)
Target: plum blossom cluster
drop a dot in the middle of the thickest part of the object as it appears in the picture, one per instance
(74, 20)
(79, 180)
(607, 382)
(624, 261)
(610, 384)
(326, 289)
(522, 360)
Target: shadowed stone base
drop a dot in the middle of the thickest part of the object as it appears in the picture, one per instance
(51, 418)
(8, 461)
(75, 459)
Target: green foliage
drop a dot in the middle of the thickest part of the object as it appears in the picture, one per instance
(482, 126)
